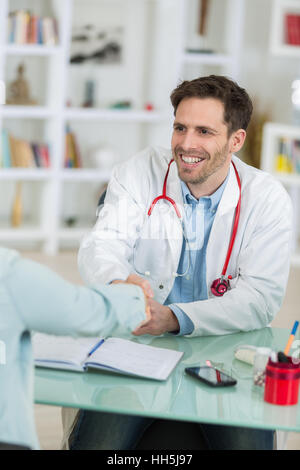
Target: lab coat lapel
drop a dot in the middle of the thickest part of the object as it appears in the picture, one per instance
(222, 229)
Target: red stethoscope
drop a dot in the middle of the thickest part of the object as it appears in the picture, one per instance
(222, 284)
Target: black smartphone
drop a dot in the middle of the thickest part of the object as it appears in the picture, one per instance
(211, 376)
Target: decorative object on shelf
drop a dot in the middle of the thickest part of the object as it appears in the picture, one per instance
(253, 144)
(149, 107)
(126, 104)
(72, 154)
(70, 221)
(19, 91)
(89, 100)
(25, 28)
(103, 157)
(204, 5)
(201, 47)
(91, 43)
(16, 213)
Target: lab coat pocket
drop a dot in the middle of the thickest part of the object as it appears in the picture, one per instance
(151, 258)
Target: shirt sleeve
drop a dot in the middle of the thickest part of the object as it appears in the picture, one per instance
(186, 326)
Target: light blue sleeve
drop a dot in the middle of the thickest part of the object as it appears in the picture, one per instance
(46, 302)
(185, 323)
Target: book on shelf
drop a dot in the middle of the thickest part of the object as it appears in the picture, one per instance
(27, 28)
(292, 29)
(72, 153)
(287, 159)
(113, 355)
(21, 153)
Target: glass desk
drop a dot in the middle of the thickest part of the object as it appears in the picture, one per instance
(181, 397)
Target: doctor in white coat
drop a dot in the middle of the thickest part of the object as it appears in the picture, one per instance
(206, 234)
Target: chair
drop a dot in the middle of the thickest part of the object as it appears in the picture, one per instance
(100, 203)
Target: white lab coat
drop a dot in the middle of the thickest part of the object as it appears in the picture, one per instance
(259, 263)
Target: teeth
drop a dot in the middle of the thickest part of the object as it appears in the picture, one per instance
(191, 159)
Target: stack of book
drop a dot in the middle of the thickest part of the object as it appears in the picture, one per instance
(21, 153)
(292, 29)
(72, 154)
(288, 158)
(26, 28)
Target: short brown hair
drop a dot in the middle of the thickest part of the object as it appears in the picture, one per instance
(237, 103)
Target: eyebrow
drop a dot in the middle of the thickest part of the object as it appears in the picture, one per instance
(177, 123)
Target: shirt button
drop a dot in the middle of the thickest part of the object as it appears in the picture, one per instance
(161, 286)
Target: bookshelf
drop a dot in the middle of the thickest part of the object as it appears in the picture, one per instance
(149, 70)
(218, 49)
(282, 141)
(280, 153)
(279, 38)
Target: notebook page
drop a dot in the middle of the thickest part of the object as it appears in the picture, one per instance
(62, 348)
(135, 358)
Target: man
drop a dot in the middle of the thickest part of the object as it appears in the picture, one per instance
(35, 298)
(224, 268)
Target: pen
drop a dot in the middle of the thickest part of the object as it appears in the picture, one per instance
(291, 338)
(96, 347)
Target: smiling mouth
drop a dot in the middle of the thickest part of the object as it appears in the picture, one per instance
(190, 160)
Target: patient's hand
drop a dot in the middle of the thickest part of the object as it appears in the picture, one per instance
(138, 281)
(162, 320)
(145, 285)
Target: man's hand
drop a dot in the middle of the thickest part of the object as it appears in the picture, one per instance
(162, 320)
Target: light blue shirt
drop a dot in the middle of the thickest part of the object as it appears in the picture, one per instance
(32, 297)
(198, 219)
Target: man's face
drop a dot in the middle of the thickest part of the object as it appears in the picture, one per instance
(200, 143)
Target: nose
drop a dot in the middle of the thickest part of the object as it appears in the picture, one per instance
(188, 141)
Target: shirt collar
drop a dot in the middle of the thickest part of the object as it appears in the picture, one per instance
(211, 201)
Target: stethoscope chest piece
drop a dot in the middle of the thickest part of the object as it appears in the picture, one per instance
(220, 286)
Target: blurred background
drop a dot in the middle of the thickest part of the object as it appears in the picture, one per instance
(88, 85)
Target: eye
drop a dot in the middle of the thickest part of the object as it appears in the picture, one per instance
(178, 128)
(203, 131)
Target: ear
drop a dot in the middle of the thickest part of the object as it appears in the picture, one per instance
(237, 140)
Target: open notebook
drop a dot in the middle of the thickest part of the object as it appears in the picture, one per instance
(112, 354)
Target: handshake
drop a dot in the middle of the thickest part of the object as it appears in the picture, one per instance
(159, 318)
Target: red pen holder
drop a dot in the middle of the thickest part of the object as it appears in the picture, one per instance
(282, 383)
